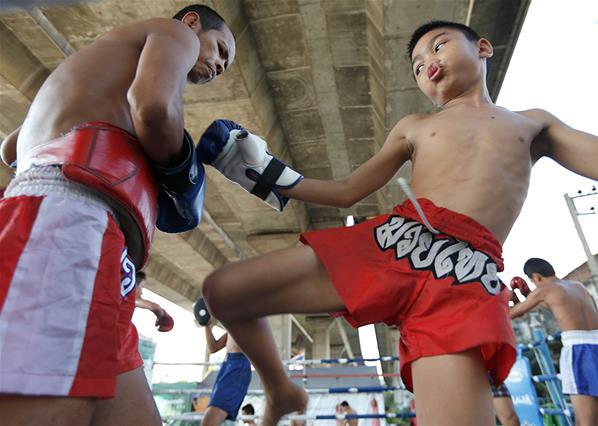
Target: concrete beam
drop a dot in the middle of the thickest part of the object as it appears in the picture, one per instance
(171, 282)
(19, 66)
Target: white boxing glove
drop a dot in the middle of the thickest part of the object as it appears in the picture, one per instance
(245, 160)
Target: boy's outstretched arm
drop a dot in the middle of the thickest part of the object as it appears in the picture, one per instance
(571, 148)
(533, 299)
(368, 178)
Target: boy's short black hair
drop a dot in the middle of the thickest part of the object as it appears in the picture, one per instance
(538, 266)
(248, 408)
(345, 404)
(210, 19)
(432, 25)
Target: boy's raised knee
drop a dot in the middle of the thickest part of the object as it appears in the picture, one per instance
(213, 294)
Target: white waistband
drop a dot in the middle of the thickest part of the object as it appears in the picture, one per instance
(49, 181)
(576, 337)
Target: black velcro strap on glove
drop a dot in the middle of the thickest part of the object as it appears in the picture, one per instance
(183, 176)
(267, 180)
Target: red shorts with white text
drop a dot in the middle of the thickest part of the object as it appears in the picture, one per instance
(66, 298)
(441, 290)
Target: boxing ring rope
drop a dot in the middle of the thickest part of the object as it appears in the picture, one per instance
(300, 361)
(341, 390)
(549, 378)
(194, 416)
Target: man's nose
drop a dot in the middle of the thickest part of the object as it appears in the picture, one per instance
(219, 66)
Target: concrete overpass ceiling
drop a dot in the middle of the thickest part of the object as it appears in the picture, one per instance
(323, 81)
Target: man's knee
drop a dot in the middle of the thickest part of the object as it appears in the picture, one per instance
(213, 416)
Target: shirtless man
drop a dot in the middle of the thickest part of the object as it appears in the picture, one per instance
(471, 163)
(102, 141)
(233, 379)
(577, 315)
(344, 408)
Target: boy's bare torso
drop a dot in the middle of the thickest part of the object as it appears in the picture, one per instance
(571, 304)
(90, 85)
(475, 160)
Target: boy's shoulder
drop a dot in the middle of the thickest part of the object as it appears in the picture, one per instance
(537, 114)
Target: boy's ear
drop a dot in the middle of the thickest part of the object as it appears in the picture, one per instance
(193, 20)
(485, 48)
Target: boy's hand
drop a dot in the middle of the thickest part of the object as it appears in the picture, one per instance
(244, 159)
(164, 322)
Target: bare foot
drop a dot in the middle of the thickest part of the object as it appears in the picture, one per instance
(281, 400)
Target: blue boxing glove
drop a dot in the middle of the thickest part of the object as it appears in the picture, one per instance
(181, 196)
(244, 159)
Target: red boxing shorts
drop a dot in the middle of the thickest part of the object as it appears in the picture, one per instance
(441, 290)
(66, 290)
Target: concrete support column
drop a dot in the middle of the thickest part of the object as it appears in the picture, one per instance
(281, 329)
(321, 334)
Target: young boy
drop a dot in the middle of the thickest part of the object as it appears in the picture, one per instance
(471, 166)
(577, 315)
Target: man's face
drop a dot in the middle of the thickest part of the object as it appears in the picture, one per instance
(216, 52)
(445, 64)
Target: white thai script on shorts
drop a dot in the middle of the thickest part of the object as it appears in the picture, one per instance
(443, 256)
(127, 273)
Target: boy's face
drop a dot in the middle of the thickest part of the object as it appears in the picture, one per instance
(446, 64)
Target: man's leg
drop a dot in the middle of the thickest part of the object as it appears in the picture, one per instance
(42, 411)
(133, 403)
(213, 416)
(452, 390)
(586, 410)
(505, 411)
(242, 293)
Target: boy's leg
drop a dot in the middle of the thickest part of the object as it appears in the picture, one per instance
(285, 281)
(452, 390)
(42, 411)
(133, 403)
(213, 416)
(586, 410)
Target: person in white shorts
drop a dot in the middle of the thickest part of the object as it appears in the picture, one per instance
(577, 315)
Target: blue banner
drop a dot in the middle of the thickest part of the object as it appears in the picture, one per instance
(523, 393)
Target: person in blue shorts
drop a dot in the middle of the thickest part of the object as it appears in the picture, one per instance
(232, 382)
(577, 315)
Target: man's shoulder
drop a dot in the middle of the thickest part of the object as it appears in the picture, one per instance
(167, 26)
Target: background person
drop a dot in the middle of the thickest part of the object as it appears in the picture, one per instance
(576, 313)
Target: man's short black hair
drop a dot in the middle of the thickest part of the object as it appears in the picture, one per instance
(432, 25)
(539, 266)
(345, 404)
(248, 408)
(209, 18)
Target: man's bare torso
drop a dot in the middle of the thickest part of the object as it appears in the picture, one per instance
(572, 305)
(475, 161)
(90, 85)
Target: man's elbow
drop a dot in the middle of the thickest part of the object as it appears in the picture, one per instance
(149, 113)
